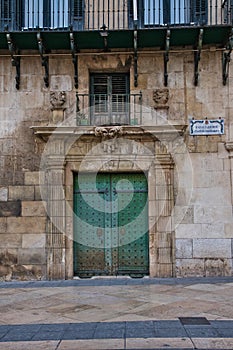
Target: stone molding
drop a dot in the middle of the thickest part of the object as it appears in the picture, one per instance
(158, 164)
(168, 132)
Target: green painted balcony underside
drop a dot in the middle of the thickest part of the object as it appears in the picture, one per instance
(119, 39)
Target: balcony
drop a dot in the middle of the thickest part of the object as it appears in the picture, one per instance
(109, 109)
(89, 15)
(117, 20)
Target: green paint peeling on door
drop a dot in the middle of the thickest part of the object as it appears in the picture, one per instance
(111, 225)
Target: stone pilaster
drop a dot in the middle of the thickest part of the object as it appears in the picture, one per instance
(55, 197)
(56, 224)
(229, 147)
(164, 260)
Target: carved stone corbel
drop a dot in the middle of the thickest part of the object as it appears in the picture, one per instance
(57, 100)
(109, 137)
(161, 98)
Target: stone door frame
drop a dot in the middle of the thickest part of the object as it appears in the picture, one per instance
(60, 166)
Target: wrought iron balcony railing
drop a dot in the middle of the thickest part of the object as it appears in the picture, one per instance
(19, 15)
(111, 109)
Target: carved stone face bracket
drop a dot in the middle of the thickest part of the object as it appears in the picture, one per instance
(109, 135)
(57, 99)
(161, 98)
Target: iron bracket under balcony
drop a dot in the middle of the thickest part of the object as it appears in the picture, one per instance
(135, 57)
(44, 59)
(74, 50)
(226, 59)
(197, 56)
(166, 56)
(15, 58)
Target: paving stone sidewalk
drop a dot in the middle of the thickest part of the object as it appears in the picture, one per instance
(117, 313)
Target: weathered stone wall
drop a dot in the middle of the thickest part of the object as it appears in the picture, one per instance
(23, 218)
(204, 235)
(203, 206)
(202, 216)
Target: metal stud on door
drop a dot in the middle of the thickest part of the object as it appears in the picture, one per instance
(110, 225)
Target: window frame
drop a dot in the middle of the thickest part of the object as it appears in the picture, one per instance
(113, 104)
(180, 12)
(52, 14)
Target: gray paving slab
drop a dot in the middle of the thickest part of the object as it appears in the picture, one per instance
(82, 327)
(69, 335)
(140, 329)
(110, 330)
(109, 334)
(53, 335)
(168, 324)
(5, 328)
(222, 323)
(226, 333)
(57, 327)
(114, 330)
(202, 332)
(170, 332)
(3, 334)
(17, 336)
(24, 328)
(115, 281)
(118, 311)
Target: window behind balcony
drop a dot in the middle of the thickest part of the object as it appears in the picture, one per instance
(46, 14)
(52, 13)
(109, 99)
(199, 10)
(6, 10)
(115, 14)
(172, 12)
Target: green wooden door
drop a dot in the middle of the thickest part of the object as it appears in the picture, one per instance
(110, 225)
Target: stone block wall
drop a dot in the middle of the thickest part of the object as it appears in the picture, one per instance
(22, 230)
(23, 217)
(202, 217)
(203, 190)
(203, 237)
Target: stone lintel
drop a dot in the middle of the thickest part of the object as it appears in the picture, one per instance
(162, 132)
